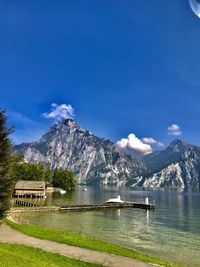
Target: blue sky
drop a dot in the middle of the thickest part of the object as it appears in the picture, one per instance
(125, 67)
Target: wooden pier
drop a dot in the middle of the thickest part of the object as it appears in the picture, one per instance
(33, 209)
(29, 207)
(107, 206)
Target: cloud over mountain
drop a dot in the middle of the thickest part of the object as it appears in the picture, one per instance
(59, 112)
(133, 145)
(152, 141)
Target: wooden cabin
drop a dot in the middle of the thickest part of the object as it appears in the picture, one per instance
(30, 189)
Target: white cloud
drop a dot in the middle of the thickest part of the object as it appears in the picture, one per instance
(152, 141)
(174, 129)
(133, 145)
(59, 112)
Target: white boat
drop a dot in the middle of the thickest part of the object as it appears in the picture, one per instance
(62, 191)
(115, 200)
(84, 189)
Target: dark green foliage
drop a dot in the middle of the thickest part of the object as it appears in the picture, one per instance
(63, 179)
(6, 182)
(31, 172)
(38, 172)
(47, 174)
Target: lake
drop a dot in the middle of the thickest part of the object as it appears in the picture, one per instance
(171, 232)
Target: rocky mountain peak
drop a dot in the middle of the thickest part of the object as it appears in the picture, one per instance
(62, 130)
(68, 124)
(177, 146)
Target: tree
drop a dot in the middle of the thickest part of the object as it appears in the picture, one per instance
(47, 174)
(70, 181)
(63, 179)
(6, 181)
(56, 180)
(31, 172)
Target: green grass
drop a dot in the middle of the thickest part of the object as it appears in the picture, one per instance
(24, 256)
(75, 239)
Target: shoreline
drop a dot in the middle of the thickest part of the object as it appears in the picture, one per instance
(9, 235)
(85, 242)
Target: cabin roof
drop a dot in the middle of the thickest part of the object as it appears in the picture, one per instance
(30, 185)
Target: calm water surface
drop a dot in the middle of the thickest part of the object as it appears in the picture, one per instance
(171, 232)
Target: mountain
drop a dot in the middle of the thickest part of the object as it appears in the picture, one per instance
(178, 166)
(96, 160)
(92, 159)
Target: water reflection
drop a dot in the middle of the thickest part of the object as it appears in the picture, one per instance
(118, 213)
(147, 211)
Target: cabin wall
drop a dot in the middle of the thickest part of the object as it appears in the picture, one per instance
(29, 192)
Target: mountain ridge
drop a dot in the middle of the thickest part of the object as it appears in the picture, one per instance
(96, 160)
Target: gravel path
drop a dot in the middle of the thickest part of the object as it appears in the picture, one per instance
(8, 235)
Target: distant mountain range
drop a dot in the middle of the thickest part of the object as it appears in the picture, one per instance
(96, 160)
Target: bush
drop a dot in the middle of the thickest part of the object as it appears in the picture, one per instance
(63, 179)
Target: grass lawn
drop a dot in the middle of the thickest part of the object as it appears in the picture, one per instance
(75, 239)
(23, 256)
